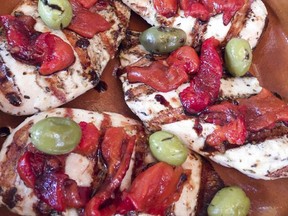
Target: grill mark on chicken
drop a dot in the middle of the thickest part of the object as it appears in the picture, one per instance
(261, 136)
(132, 40)
(238, 22)
(279, 173)
(10, 197)
(7, 88)
(8, 167)
(56, 87)
(253, 138)
(165, 117)
(108, 45)
(134, 93)
(210, 184)
(124, 22)
(81, 51)
(198, 33)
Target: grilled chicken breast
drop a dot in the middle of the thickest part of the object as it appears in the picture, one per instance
(263, 157)
(202, 182)
(20, 198)
(247, 23)
(24, 91)
(141, 98)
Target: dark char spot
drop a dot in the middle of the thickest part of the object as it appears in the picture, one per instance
(101, 86)
(82, 43)
(94, 78)
(10, 198)
(4, 131)
(13, 99)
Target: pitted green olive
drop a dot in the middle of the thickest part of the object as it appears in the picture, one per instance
(229, 201)
(168, 148)
(238, 56)
(161, 40)
(56, 14)
(55, 135)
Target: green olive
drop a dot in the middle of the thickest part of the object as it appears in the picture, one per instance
(238, 56)
(162, 40)
(56, 14)
(55, 135)
(229, 201)
(168, 148)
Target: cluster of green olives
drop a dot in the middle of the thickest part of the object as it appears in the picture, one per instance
(55, 135)
(229, 201)
(162, 40)
(238, 56)
(56, 14)
(168, 148)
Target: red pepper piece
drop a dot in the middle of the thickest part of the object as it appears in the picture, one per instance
(116, 173)
(185, 57)
(87, 3)
(152, 190)
(85, 22)
(20, 36)
(57, 54)
(166, 75)
(75, 196)
(199, 11)
(186, 4)
(230, 122)
(49, 188)
(158, 75)
(195, 9)
(204, 87)
(112, 147)
(90, 139)
(167, 8)
(25, 170)
(264, 110)
(204, 9)
(228, 8)
(35, 48)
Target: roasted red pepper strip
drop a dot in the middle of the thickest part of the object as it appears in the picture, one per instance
(185, 57)
(230, 122)
(85, 22)
(116, 173)
(199, 11)
(204, 9)
(204, 87)
(167, 8)
(75, 196)
(49, 188)
(57, 54)
(112, 147)
(228, 8)
(90, 139)
(166, 75)
(20, 35)
(264, 110)
(25, 171)
(158, 76)
(36, 48)
(45, 175)
(152, 189)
